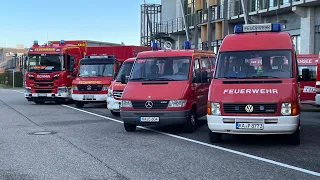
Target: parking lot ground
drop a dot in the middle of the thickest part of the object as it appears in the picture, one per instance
(90, 143)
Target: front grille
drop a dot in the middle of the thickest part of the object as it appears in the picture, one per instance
(258, 108)
(43, 81)
(43, 91)
(157, 104)
(117, 93)
(90, 87)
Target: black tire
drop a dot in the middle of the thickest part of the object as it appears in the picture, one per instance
(191, 125)
(79, 104)
(115, 113)
(129, 127)
(39, 102)
(214, 137)
(295, 137)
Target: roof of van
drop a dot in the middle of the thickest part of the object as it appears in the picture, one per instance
(256, 41)
(130, 60)
(168, 53)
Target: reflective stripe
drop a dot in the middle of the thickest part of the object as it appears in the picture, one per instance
(318, 83)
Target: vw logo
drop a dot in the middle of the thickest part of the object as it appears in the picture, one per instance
(249, 108)
(149, 104)
(88, 87)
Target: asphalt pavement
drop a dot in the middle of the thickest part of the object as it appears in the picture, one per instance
(53, 141)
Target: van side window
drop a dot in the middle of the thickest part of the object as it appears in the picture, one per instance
(206, 66)
(196, 67)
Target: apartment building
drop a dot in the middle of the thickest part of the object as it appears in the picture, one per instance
(209, 21)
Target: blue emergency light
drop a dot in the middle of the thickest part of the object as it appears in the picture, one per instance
(154, 46)
(187, 45)
(61, 41)
(268, 27)
(35, 42)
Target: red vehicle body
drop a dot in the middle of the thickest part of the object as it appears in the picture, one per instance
(97, 70)
(116, 88)
(245, 100)
(167, 87)
(317, 99)
(50, 71)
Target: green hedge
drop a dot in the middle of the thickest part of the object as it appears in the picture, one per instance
(18, 78)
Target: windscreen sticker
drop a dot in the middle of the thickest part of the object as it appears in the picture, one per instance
(250, 91)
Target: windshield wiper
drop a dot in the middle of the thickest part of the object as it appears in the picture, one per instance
(137, 79)
(257, 77)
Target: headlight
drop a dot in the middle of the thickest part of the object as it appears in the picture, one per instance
(214, 109)
(55, 76)
(75, 88)
(105, 88)
(126, 103)
(177, 103)
(286, 109)
(27, 90)
(110, 92)
(62, 89)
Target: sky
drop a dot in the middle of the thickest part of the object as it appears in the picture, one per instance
(23, 21)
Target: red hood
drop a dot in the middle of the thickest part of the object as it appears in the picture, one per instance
(117, 86)
(93, 80)
(139, 91)
(261, 92)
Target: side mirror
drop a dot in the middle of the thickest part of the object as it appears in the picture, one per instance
(115, 75)
(204, 76)
(305, 74)
(123, 79)
(197, 78)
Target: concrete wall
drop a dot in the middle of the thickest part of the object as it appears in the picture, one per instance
(169, 10)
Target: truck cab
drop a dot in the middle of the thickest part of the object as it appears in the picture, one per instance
(116, 89)
(259, 100)
(167, 87)
(50, 71)
(95, 75)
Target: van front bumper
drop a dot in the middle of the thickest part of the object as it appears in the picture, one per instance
(46, 96)
(113, 104)
(165, 117)
(317, 99)
(271, 124)
(96, 97)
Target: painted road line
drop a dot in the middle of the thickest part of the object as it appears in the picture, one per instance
(209, 145)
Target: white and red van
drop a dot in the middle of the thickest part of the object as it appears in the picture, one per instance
(116, 89)
(244, 99)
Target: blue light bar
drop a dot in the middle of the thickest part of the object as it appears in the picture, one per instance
(268, 27)
(35, 42)
(187, 45)
(61, 41)
(154, 46)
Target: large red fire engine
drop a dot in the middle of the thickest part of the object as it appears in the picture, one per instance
(50, 71)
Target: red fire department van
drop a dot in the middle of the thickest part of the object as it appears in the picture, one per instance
(167, 87)
(245, 100)
(50, 71)
(97, 70)
(317, 98)
(116, 88)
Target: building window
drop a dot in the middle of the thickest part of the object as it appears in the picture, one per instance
(296, 43)
(253, 5)
(273, 3)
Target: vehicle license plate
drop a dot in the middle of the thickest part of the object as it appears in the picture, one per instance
(42, 95)
(149, 119)
(88, 97)
(249, 125)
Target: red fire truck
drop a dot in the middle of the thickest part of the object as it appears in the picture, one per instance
(50, 71)
(97, 70)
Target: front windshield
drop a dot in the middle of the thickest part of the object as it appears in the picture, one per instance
(124, 70)
(45, 62)
(94, 70)
(161, 68)
(255, 64)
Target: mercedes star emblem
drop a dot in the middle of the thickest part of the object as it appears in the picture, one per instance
(149, 104)
(249, 108)
(88, 87)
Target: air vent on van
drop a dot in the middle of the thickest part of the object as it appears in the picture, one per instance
(252, 82)
(154, 82)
